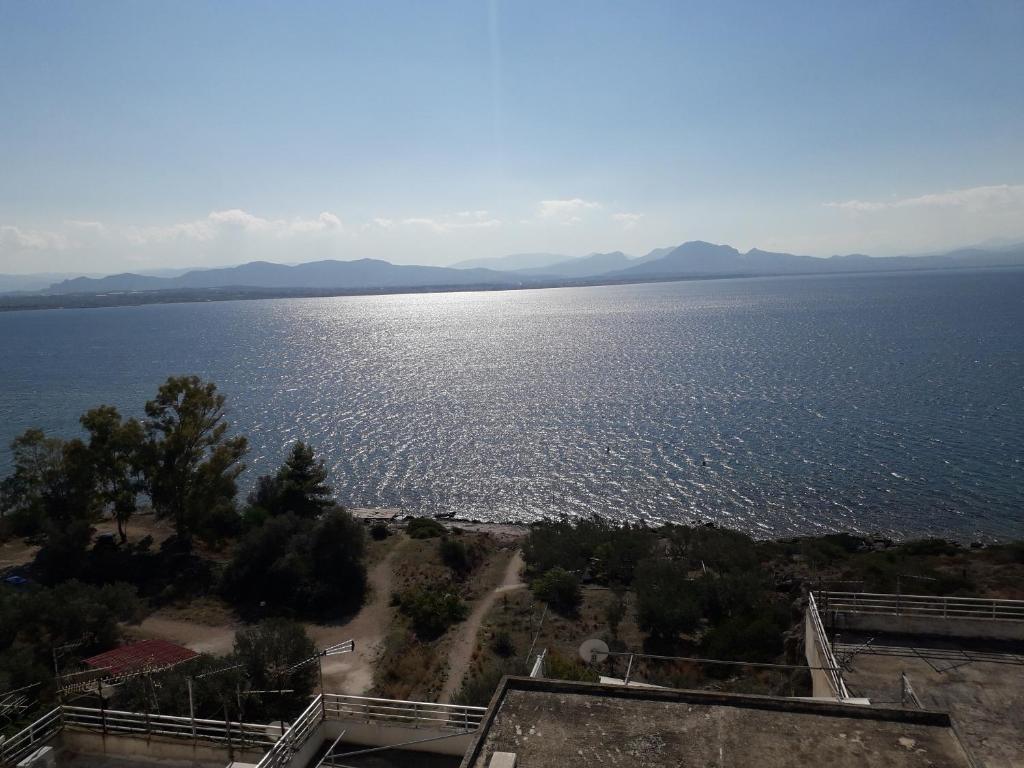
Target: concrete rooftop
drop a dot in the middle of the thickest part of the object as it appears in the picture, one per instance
(556, 724)
(980, 684)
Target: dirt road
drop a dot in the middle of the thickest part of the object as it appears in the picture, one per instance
(461, 655)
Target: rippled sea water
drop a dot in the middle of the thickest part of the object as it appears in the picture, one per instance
(888, 403)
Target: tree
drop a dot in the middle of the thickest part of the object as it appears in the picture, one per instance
(560, 590)
(191, 464)
(115, 449)
(300, 567)
(303, 483)
(299, 487)
(273, 652)
(665, 606)
(337, 548)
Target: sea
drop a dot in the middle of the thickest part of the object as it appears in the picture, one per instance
(888, 404)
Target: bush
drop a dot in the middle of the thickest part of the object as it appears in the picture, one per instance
(479, 687)
(747, 637)
(502, 645)
(560, 668)
(560, 590)
(379, 531)
(459, 557)
(431, 610)
(424, 528)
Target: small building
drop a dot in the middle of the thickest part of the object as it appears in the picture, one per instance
(371, 515)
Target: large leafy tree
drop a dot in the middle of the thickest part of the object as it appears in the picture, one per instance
(115, 449)
(192, 464)
(52, 483)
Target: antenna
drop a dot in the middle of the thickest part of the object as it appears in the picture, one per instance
(594, 650)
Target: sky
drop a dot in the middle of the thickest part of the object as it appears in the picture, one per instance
(141, 135)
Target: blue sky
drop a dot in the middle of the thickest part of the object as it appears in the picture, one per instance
(140, 135)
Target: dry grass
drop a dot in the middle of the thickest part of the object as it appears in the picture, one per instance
(407, 667)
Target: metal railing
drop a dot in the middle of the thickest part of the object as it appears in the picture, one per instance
(412, 714)
(30, 738)
(415, 714)
(927, 606)
(828, 661)
(117, 721)
(292, 739)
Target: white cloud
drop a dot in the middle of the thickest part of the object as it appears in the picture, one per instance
(627, 220)
(565, 210)
(217, 223)
(972, 199)
(93, 227)
(382, 223)
(31, 239)
(460, 220)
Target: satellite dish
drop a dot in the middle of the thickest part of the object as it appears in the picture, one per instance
(593, 650)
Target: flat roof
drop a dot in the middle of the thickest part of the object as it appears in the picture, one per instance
(556, 724)
(979, 683)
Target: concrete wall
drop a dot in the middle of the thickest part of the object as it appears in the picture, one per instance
(167, 751)
(376, 734)
(820, 687)
(936, 626)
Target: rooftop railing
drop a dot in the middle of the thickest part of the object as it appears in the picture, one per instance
(926, 606)
(30, 738)
(240, 735)
(828, 658)
(415, 714)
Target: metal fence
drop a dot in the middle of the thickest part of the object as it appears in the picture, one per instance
(292, 739)
(928, 606)
(411, 714)
(30, 738)
(828, 659)
(222, 731)
(414, 714)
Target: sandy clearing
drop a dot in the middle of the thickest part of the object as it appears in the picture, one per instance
(461, 654)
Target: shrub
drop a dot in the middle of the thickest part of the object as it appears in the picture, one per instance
(431, 609)
(560, 668)
(560, 590)
(379, 531)
(457, 556)
(502, 645)
(747, 637)
(424, 528)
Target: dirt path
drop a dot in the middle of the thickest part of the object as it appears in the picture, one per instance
(353, 672)
(461, 655)
(346, 673)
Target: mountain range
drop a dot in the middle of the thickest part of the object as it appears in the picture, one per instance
(692, 259)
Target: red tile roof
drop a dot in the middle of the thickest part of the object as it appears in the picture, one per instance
(137, 656)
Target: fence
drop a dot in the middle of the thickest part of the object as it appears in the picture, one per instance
(925, 606)
(827, 659)
(222, 731)
(414, 714)
(281, 753)
(30, 738)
